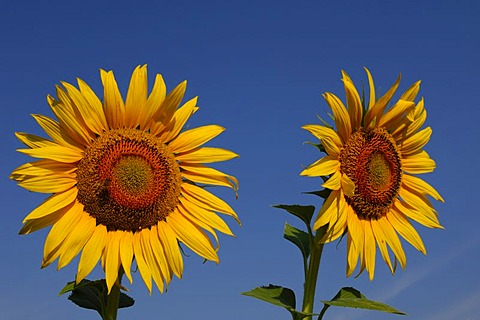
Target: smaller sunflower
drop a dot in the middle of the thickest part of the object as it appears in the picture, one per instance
(126, 182)
(373, 157)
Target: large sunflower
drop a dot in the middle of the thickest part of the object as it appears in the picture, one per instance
(126, 182)
(371, 162)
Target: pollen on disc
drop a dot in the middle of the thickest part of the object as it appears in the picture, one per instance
(128, 180)
(371, 159)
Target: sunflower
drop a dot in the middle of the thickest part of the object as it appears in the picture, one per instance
(371, 163)
(126, 183)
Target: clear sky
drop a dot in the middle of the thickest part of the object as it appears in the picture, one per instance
(259, 69)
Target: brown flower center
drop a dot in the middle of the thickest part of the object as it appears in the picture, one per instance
(128, 180)
(372, 160)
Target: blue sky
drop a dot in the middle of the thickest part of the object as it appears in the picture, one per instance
(259, 69)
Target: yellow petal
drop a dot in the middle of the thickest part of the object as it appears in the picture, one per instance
(173, 128)
(348, 186)
(57, 153)
(372, 98)
(103, 258)
(57, 133)
(76, 240)
(420, 186)
(411, 93)
(33, 141)
(341, 117)
(154, 264)
(329, 208)
(47, 260)
(429, 220)
(323, 167)
(338, 222)
(382, 244)
(192, 236)
(194, 138)
(376, 111)
(322, 132)
(333, 183)
(396, 113)
(160, 257)
(207, 217)
(92, 118)
(37, 224)
(52, 253)
(136, 97)
(206, 155)
(417, 164)
(126, 253)
(331, 148)
(404, 127)
(49, 184)
(70, 118)
(169, 242)
(419, 109)
(96, 107)
(392, 240)
(355, 229)
(43, 167)
(420, 115)
(91, 252)
(113, 101)
(363, 264)
(416, 142)
(150, 259)
(141, 262)
(170, 104)
(53, 203)
(352, 256)
(354, 103)
(202, 174)
(418, 202)
(112, 260)
(185, 214)
(205, 199)
(154, 101)
(62, 228)
(405, 229)
(370, 249)
(421, 154)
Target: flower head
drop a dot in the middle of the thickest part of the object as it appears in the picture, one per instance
(126, 182)
(372, 161)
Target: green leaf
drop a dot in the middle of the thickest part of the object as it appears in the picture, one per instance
(93, 295)
(277, 295)
(305, 213)
(88, 297)
(320, 193)
(69, 287)
(125, 301)
(352, 298)
(87, 294)
(325, 123)
(299, 238)
(319, 146)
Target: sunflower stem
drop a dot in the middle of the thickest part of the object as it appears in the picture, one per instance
(311, 275)
(113, 299)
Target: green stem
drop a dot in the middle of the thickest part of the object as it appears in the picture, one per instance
(113, 298)
(311, 276)
(320, 316)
